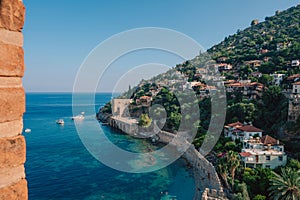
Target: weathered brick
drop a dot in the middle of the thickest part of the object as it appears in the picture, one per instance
(12, 14)
(9, 176)
(12, 151)
(17, 191)
(12, 104)
(11, 129)
(11, 60)
(10, 82)
(11, 37)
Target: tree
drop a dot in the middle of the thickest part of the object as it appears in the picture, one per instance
(266, 79)
(245, 71)
(257, 180)
(242, 111)
(266, 68)
(272, 111)
(260, 197)
(294, 164)
(233, 163)
(222, 170)
(242, 192)
(286, 185)
(145, 120)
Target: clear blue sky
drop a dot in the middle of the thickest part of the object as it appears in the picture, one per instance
(60, 34)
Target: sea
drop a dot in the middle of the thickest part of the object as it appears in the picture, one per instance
(59, 166)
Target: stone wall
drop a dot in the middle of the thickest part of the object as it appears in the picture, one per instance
(212, 194)
(206, 178)
(12, 101)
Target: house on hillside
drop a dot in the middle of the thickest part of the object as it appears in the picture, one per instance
(224, 67)
(295, 63)
(240, 131)
(293, 78)
(144, 101)
(263, 51)
(288, 83)
(253, 63)
(256, 74)
(250, 90)
(277, 78)
(263, 152)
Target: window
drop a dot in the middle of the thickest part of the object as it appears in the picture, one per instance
(280, 158)
(268, 157)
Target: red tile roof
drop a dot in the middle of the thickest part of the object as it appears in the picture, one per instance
(249, 128)
(145, 97)
(297, 83)
(268, 140)
(235, 124)
(245, 154)
(293, 77)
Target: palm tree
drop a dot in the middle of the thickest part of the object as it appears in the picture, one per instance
(285, 186)
(222, 170)
(233, 163)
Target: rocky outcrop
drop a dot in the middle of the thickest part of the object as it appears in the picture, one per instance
(103, 117)
(13, 184)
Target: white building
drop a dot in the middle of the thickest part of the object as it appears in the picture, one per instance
(277, 78)
(224, 66)
(295, 63)
(264, 152)
(241, 131)
(296, 88)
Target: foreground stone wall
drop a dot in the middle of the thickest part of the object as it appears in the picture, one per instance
(12, 101)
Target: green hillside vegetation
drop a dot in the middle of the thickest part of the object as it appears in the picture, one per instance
(278, 37)
(275, 42)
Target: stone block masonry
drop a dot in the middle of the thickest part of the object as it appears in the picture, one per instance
(13, 184)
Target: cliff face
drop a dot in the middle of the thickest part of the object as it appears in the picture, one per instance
(103, 117)
(12, 101)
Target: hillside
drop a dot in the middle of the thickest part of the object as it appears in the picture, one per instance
(256, 65)
(260, 71)
(274, 42)
(277, 38)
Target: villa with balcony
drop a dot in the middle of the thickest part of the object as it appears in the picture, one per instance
(263, 152)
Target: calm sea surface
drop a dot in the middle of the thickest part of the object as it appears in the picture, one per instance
(58, 165)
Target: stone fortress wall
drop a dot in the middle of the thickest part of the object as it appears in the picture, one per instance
(204, 172)
(13, 184)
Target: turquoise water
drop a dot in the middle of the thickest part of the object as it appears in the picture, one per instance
(58, 165)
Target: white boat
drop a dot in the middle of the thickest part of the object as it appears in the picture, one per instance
(78, 117)
(27, 130)
(60, 121)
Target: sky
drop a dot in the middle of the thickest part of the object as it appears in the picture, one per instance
(59, 35)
